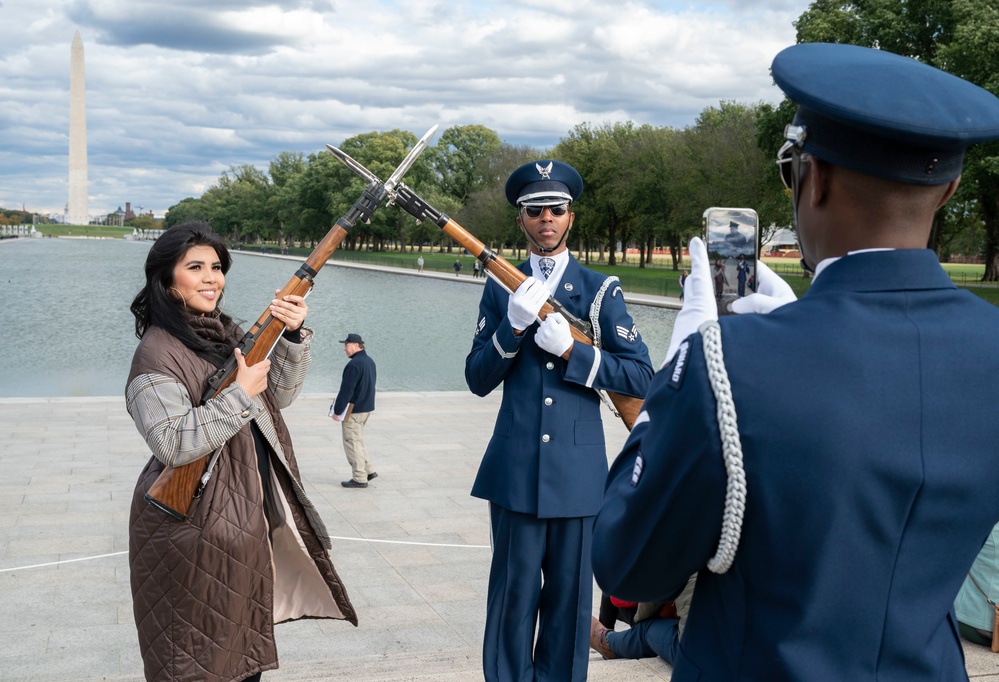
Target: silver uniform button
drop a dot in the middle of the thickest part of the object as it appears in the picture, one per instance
(548, 401)
(545, 438)
(550, 365)
(568, 286)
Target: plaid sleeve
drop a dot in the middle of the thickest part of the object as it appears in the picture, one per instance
(289, 364)
(177, 432)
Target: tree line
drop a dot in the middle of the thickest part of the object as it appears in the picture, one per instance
(645, 186)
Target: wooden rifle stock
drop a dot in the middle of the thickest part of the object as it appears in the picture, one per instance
(510, 278)
(176, 488)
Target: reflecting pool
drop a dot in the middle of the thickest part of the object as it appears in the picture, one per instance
(67, 330)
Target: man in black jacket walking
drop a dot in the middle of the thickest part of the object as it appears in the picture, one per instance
(353, 405)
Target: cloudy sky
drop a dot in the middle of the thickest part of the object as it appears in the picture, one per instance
(178, 91)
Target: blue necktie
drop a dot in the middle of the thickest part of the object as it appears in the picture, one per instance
(547, 265)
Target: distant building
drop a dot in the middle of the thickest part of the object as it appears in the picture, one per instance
(117, 218)
(783, 239)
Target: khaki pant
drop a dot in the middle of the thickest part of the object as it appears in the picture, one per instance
(353, 446)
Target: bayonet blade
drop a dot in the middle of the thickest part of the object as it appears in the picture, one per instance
(411, 158)
(397, 174)
(353, 165)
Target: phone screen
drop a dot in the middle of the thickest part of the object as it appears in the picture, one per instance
(732, 236)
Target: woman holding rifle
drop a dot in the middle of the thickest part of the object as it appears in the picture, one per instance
(252, 551)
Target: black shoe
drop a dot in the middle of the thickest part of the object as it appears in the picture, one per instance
(353, 484)
(373, 474)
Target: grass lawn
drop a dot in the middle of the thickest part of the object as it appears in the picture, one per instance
(83, 231)
(658, 279)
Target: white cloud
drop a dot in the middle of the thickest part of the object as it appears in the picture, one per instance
(178, 92)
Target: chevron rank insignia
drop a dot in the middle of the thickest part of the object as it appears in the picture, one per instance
(480, 326)
(629, 335)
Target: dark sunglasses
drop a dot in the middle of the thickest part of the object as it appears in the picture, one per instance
(536, 211)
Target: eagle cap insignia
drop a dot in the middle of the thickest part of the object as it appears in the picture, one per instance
(545, 172)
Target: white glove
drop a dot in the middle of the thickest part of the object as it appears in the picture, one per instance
(554, 334)
(699, 305)
(771, 292)
(525, 302)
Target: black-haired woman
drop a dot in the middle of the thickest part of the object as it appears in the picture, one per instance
(252, 552)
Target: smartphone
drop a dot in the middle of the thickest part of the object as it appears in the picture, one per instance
(732, 236)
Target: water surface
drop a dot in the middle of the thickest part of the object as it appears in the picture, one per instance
(67, 330)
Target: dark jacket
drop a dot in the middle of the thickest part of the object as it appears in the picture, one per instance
(866, 412)
(357, 385)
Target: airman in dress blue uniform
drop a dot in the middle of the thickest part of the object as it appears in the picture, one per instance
(865, 410)
(544, 469)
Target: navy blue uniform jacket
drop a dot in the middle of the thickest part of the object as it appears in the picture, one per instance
(867, 413)
(357, 385)
(547, 455)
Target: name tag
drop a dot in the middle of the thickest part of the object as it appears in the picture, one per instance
(679, 365)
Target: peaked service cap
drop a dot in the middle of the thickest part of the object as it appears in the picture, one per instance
(543, 183)
(882, 114)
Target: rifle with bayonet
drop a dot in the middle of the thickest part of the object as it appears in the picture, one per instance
(176, 488)
(509, 277)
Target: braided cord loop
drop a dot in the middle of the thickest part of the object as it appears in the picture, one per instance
(728, 427)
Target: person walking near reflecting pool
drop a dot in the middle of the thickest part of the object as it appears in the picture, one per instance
(544, 468)
(419, 263)
(353, 405)
(207, 590)
(457, 266)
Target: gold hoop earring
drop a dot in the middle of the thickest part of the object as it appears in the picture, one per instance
(221, 304)
(179, 295)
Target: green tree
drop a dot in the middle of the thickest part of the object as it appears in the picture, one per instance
(715, 162)
(973, 54)
(460, 160)
(286, 173)
(314, 195)
(143, 222)
(653, 178)
(958, 36)
(603, 213)
(775, 207)
(381, 153)
(238, 206)
(185, 211)
(487, 214)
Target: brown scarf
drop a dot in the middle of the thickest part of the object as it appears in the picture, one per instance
(219, 339)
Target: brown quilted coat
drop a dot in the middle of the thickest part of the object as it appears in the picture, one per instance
(204, 594)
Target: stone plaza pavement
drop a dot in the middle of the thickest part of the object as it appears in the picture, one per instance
(412, 548)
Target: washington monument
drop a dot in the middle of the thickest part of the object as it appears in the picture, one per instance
(77, 204)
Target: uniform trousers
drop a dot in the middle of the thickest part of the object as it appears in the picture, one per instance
(353, 446)
(541, 574)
